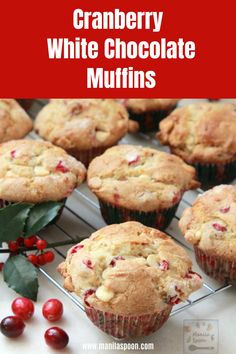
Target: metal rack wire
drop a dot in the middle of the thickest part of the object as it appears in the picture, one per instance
(210, 288)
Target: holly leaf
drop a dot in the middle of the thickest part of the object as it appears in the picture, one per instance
(40, 216)
(12, 221)
(21, 276)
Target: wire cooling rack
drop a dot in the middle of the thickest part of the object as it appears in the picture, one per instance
(81, 217)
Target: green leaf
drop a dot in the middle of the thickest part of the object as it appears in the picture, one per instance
(40, 216)
(12, 221)
(21, 276)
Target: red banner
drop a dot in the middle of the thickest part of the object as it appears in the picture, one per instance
(175, 48)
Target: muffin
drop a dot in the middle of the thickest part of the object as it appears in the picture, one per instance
(14, 121)
(136, 183)
(110, 270)
(204, 135)
(85, 128)
(210, 226)
(36, 172)
(149, 112)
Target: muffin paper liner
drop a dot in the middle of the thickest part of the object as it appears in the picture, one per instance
(86, 156)
(5, 203)
(149, 121)
(121, 326)
(211, 174)
(159, 219)
(215, 266)
(26, 103)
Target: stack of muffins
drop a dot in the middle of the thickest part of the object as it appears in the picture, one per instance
(139, 190)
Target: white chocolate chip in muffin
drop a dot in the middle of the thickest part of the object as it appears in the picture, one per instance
(101, 136)
(10, 174)
(96, 182)
(152, 260)
(41, 171)
(104, 294)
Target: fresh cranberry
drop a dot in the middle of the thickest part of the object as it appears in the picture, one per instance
(53, 310)
(13, 154)
(225, 210)
(89, 264)
(164, 265)
(49, 256)
(1, 266)
(219, 227)
(76, 248)
(12, 326)
(23, 308)
(117, 258)
(20, 241)
(30, 241)
(56, 338)
(41, 244)
(41, 260)
(62, 168)
(13, 246)
(88, 293)
(33, 259)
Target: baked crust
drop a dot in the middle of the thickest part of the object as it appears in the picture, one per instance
(123, 265)
(140, 178)
(14, 121)
(36, 171)
(210, 223)
(82, 124)
(202, 132)
(141, 105)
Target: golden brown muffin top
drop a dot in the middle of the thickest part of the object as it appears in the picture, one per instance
(82, 123)
(14, 121)
(140, 178)
(36, 171)
(129, 269)
(210, 224)
(202, 132)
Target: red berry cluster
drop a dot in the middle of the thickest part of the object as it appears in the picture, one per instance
(29, 242)
(23, 309)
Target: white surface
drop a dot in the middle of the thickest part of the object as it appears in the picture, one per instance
(168, 340)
